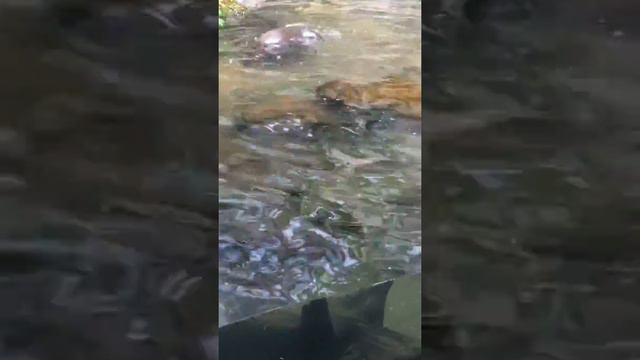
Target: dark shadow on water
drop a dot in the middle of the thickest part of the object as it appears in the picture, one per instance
(107, 186)
(531, 197)
(319, 330)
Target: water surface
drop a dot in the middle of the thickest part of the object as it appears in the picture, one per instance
(313, 211)
(531, 245)
(107, 184)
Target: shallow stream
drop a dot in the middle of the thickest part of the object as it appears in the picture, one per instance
(308, 211)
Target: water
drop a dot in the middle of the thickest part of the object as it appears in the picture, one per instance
(107, 184)
(325, 329)
(308, 211)
(532, 197)
(108, 180)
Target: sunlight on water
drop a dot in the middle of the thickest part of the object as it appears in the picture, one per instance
(308, 210)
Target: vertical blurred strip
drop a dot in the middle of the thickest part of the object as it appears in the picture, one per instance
(213, 347)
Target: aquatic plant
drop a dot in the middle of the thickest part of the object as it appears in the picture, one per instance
(228, 8)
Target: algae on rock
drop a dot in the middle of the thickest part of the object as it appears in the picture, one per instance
(227, 9)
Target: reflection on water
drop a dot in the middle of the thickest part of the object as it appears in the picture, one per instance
(107, 183)
(532, 200)
(306, 209)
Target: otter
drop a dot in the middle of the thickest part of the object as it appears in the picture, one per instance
(401, 96)
(395, 94)
(306, 110)
(290, 40)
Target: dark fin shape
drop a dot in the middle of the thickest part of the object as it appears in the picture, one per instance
(369, 304)
(315, 323)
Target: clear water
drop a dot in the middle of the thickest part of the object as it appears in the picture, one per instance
(308, 212)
